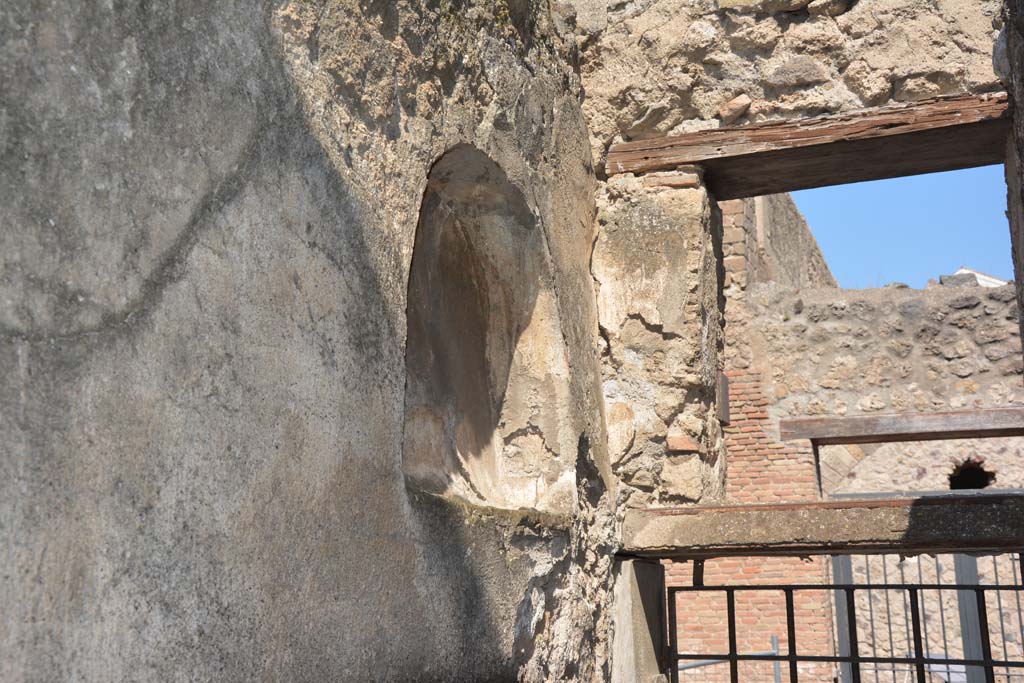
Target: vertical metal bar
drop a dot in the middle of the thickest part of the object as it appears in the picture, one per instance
(673, 638)
(999, 608)
(966, 569)
(817, 469)
(842, 574)
(851, 620)
(871, 612)
(698, 572)
(924, 615)
(906, 608)
(734, 669)
(794, 675)
(942, 615)
(776, 665)
(915, 617)
(1017, 578)
(888, 617)
(986, 646)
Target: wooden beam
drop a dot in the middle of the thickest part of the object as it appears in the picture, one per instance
(974, 523)
(961, 424)
(782, 156)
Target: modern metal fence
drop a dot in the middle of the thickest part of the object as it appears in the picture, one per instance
(951, 618)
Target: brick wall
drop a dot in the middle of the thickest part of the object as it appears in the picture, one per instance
(761, 469)
(702, 625)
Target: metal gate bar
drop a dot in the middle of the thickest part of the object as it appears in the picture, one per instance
(920, 659)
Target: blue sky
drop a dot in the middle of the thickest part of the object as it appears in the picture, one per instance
(912, 229)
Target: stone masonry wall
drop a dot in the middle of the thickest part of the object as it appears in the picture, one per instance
(887, 350)
(1014, 55)
(656, 271)
(657, 67)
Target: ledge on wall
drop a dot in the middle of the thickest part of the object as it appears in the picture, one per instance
(944, 523)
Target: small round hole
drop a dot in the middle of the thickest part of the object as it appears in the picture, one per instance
(970, 475)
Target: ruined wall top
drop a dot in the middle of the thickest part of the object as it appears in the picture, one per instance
(833, 352)
(766, 239)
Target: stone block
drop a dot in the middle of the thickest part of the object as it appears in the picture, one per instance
(732, 207)
(639, 620)
(681, 476)
(621, 430)
(734, 264)
(959, 280)
(673, 179)
(991, 333)
(873, 87)
(763, 5)
(964, 301)
(640, 478)
(798, 71)
(681, 443)
(1004, 294)
(832, 8)
(733, 235)
(734, 108)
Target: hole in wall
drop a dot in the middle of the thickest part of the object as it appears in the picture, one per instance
(970, 474)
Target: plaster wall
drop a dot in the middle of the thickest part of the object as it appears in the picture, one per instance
(209, 215)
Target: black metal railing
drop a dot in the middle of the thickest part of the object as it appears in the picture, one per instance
(978, 663)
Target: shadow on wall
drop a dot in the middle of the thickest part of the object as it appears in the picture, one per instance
(484, 344)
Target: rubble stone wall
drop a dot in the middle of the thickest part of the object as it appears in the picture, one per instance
(656, 271)
(658, 67)
(850, 352)
(1014, 51)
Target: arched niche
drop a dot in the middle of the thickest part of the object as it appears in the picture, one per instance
(486, 367)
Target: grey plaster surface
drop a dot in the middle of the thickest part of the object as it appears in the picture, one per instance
(204, 246)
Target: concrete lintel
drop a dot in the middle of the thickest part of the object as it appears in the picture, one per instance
(975, 523)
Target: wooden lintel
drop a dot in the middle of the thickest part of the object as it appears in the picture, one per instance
(781, 156)
(971, 523)
(960, 424)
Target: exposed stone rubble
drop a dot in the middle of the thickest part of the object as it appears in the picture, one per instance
(1010, 54)
(655, 269)
(657, 67)
(890, 350)
(848, 352)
